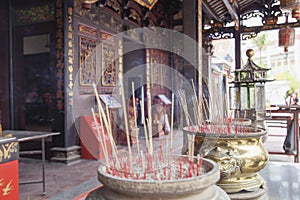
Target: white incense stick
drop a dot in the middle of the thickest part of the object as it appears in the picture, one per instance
(150, 137)
(150, 122)
(108, 117)
(172, 123)
(197, 105)
(101, 138)
(106, 125)
(183, 102)
(126, 123)
(144, 123)
(205, 108)
(135, 118)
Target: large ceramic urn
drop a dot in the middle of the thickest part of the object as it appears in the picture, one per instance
(170, 177)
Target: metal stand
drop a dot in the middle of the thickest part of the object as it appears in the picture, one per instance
(23, 136)
(42, 152)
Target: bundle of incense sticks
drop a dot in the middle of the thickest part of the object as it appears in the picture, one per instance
(220, 119)
(156, 167)
(221, 129)
(102, 121)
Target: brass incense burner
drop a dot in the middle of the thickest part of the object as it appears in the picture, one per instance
(237, 149)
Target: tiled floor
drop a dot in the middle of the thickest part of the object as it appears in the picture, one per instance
(64, 182)
(61, 179)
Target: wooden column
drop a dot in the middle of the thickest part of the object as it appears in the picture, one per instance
(200, 52)
(238, 47)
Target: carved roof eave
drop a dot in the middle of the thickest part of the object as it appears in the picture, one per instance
(251, 66)
(266, 10)
(246, 32)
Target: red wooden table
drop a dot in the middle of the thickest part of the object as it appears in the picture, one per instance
(9, 175)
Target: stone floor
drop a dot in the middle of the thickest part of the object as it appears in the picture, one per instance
(64, 182)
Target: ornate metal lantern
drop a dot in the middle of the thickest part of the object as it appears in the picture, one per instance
(247, 95)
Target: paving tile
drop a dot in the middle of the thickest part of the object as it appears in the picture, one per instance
(65, 182)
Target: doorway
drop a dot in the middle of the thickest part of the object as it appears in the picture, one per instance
(33, 78)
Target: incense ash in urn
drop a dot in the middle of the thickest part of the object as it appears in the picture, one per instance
(160, 176)
(150, 175)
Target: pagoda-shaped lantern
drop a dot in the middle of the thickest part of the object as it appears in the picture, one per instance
(247, 93)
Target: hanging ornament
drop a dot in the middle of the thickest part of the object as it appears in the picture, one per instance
(286, 36)
(288, 4)
(291, 6)
(296, 13)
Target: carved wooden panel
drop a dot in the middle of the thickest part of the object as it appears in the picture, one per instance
(109, 64)
(88, 64)
(159, 68)
(165, 68)
(155, 68)
(86, 30)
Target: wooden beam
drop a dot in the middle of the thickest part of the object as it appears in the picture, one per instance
(232, 11)
(209, 12)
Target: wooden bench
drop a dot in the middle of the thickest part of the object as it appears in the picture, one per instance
(278, 120)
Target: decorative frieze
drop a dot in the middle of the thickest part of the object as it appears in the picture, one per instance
(59, 55)
(36, 14)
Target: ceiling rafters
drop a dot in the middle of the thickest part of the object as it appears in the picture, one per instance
(210, 12)
(232, 10)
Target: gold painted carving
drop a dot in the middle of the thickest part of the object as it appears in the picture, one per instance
(59, 54)
(70, 51)
(108, 64)
(88, 68)
(107, 36)
(7, 149)
(7, 187)
(114, 5)
(147, 3)
(87, 30)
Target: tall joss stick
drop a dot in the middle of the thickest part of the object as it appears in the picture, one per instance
(148, 92)
(144, 122)
(150, 121)
(172, 122)
(184, 106)
(126, 124)
(206, 107)
(196, 104)
(135, 118)
(186, 113)
(106, 125)
(167, 145)
(101, 136)
(108, 116)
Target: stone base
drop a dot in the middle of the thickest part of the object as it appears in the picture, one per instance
(235, 185)
(260, 194)
(104, 193)
(68, 155)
